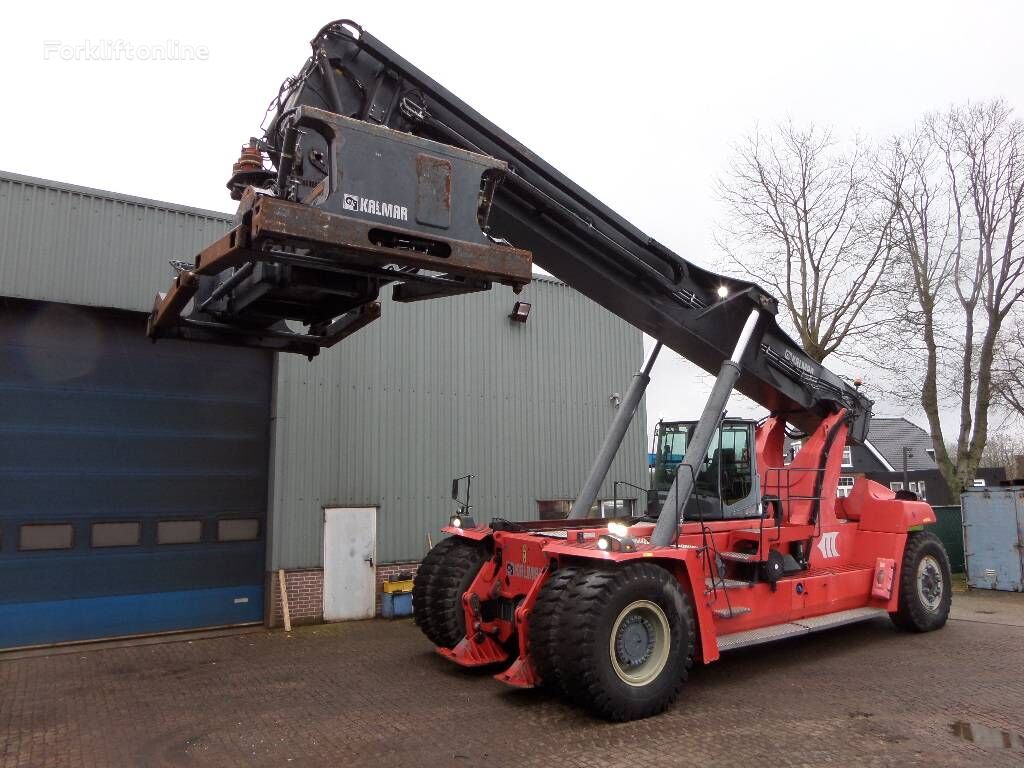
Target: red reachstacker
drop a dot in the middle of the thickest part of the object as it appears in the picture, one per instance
(373, 175)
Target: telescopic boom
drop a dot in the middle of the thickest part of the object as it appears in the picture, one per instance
(380, 176)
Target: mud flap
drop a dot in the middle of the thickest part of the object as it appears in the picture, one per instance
(475, 654)
(520, 675)
(885, 574)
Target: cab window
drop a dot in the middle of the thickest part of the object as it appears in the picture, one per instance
(726, 470)
(671, 448)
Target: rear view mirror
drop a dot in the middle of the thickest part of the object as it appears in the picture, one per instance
(457, 492)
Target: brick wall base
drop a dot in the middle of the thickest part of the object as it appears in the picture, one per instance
(305, 597)
(305, 589)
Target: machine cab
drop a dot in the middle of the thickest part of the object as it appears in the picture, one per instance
(726, 483)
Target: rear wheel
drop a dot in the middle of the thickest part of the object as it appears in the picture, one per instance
(442, 578)
(925, 584)
(627, 636)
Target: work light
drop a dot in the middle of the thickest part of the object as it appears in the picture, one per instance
(520, 311)
(609, 542)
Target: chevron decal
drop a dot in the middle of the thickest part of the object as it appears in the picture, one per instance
(827, 544)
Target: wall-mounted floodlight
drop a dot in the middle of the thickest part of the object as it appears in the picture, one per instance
(723, 292)
(520, 311)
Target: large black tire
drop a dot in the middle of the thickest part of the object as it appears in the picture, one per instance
(442, 578)
(925, 588)
(543, 638)
(614, 659)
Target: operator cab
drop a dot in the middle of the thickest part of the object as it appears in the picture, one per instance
(726, 485)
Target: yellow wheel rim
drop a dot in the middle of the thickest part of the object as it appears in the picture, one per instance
(639, 643)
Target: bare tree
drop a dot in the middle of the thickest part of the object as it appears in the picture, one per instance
(957, 186)
(803, 220)
(1008, 373)
(1002, 450)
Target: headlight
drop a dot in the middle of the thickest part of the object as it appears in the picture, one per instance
(456, 522)
(612, 543)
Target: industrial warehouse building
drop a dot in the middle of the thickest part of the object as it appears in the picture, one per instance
(149, 488)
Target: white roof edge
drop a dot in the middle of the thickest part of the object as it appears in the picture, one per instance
(875, 452)
(120, 197)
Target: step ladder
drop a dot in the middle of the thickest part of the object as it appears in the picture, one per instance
(712, 584)
(741, 557)
(734, 640)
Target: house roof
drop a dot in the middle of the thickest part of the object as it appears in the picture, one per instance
(890, 435)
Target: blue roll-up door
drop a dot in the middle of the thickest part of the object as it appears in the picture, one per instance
(133, 478)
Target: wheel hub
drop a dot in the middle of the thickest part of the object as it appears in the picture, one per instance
(640, 643)
(634, 642)
(929, 583)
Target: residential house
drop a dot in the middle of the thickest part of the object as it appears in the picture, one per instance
(895, 445)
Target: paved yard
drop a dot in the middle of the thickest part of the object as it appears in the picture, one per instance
(372, 693)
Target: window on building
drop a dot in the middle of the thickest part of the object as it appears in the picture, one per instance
(558, 509)
(120, 534)
(179, 531)
(845, 486)
(38, 536)
(917, 487)
(238, 529)
(847, 456)
(895, 486)
(613, 508)
(553, 509)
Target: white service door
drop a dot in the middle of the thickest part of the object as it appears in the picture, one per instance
(350, 555)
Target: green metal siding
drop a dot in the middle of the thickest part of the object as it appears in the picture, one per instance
(949, 526)
(443, 388)
(432, 390)
(99, 249)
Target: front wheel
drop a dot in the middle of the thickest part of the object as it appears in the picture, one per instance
(925, 584)
(628, 632)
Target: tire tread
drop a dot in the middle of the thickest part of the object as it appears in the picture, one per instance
(910, 614)
(443, 576)
(545, 621)
(587, 598)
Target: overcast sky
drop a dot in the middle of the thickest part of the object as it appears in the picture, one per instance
(637, 102)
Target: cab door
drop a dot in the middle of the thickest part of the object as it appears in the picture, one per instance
(727, 485)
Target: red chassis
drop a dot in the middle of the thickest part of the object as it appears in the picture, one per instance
(852, 550)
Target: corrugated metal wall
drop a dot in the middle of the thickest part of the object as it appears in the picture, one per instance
(84, 246)
(432, 390)
(444, 388)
